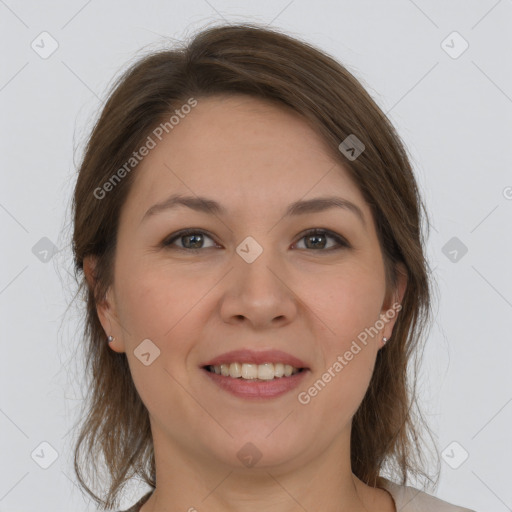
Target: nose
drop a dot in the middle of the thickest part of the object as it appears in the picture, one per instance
(259, 293)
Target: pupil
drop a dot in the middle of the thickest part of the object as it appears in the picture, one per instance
(316, 238)
(197, 243)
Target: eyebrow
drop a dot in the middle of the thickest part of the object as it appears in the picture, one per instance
(210, 206)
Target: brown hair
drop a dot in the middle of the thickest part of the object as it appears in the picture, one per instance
(270, 65)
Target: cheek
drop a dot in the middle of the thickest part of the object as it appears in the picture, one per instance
(348, 306)
(165, 306)
(348, 301)
(145, 303)
(152, 299)
(154, 306)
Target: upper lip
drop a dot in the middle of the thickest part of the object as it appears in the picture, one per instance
(256, 357)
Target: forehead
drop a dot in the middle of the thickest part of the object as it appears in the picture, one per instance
(245, 152)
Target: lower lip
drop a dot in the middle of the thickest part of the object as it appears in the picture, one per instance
(256, 389)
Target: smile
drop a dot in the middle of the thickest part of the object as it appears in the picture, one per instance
(249, 371)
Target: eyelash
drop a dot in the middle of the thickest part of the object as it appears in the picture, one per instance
(342, 243)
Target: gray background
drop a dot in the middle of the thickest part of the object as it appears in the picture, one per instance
(454, 112)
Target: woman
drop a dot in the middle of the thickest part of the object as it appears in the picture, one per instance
(249, 230)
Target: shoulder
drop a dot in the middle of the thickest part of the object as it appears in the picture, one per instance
(410, 499)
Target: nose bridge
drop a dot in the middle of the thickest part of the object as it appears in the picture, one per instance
(257, 289)
(258, 265)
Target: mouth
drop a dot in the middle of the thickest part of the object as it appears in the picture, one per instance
(255, 375)
(250, 371)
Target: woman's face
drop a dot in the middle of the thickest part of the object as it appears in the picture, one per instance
(249, 277)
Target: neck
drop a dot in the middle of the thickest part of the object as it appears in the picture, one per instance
(194, 481)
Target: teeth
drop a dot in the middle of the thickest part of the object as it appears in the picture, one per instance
(250, 371)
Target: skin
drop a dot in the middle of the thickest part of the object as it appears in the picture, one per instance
(254, 158)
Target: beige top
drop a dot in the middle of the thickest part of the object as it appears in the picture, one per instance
(407, 499)
(410, 499)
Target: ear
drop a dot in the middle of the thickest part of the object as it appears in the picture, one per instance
(393, 304)
(106, 309)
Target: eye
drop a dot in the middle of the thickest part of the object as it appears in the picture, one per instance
(192, 239)
(315, 239)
